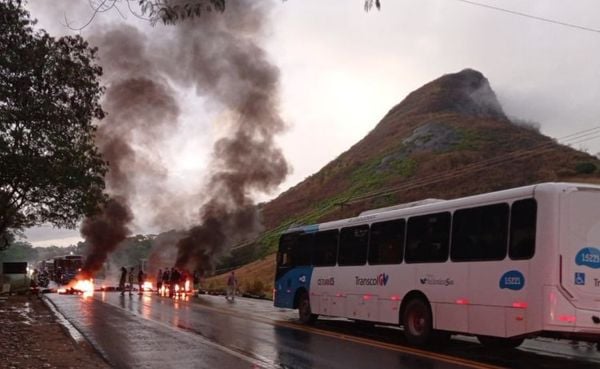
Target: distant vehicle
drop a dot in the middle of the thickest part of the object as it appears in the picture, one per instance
(66, 268)
(502, 266)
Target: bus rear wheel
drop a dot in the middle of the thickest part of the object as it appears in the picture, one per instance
(417, 322)
(500, 342)
(305, 314)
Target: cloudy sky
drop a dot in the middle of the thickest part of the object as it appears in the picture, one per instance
(342, 69)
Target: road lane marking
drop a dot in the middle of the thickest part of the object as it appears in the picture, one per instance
(261, 362)
(73, 332)
(391, 347)
(365, 341)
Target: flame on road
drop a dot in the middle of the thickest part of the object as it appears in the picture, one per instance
(85, 286)
(147, 286)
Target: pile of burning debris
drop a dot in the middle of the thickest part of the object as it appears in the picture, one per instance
(84, 287)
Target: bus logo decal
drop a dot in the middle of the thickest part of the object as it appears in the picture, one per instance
(380, 280)
(326, 281)
(580, 279)
(302, 278)
(588, 256)
(513, 280)
(431, 280)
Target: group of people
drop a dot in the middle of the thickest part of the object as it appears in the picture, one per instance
(169, 278)
(126, 280)
(166, 280)
(39, 279)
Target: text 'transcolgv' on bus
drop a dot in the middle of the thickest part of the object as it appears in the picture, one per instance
(503, 266)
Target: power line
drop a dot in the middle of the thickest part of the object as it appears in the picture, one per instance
(548, 20)
(577, 137)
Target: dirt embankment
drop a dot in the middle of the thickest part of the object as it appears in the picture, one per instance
(30, 337)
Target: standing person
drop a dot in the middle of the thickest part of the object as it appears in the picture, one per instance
(166, 279)
(33, 283)
(122, 280)
(159, 277)
(231, 286)
(130, 281)
(141, 281)
(58, 276)
(174, 280)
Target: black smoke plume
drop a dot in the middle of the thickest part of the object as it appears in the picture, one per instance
(220, 55)
(141, 109)
(228, 65)
(104, 232)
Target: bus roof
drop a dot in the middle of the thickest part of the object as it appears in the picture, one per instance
(426, 206)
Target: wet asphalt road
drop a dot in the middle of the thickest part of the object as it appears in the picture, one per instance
(149, 331)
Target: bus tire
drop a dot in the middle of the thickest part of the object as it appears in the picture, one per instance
(500, 342)
(417, 322)
(304, 313)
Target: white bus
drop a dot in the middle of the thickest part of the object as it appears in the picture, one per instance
(502, 266)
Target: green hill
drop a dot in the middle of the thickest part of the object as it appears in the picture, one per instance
(448, 139)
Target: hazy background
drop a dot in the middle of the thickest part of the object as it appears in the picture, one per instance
(342, 69)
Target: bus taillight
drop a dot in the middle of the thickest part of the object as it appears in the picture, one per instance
(520, 305)
(567, 318)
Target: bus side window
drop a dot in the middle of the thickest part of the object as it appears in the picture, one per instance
(480, 233)
(325, 249)
(303, 249)
(387, 242)
(287, 244)
(427, 238)
(523, 219)
(353, 245)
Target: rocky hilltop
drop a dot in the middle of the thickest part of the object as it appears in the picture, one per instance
(447, 139)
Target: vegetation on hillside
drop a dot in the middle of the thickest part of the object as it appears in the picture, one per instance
(448, 139)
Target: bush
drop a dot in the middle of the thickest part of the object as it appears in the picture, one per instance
(256, 288)
(585, 168)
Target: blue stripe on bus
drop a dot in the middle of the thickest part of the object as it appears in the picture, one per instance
(310, 228)
(288, 283)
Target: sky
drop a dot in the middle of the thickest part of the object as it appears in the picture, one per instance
(342, 69)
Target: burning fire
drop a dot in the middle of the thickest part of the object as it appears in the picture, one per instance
(187, 285)
(85, 286)
(147, 286)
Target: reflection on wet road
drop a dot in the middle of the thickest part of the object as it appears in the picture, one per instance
(207, 332)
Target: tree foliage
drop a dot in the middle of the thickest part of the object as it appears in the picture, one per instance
(172, 11)
(50, 169)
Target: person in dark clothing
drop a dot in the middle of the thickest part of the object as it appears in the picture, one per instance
(130, 280)
(174, 280)
(122, 280)
(159, 279)
(167, 280)
(141, 279)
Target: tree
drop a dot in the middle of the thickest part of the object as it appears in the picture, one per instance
(19, 251)
(173, 11)
(50, 168)
(170, 12)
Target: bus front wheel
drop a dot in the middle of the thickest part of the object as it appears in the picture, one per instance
(417, 322)
(305, 314)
